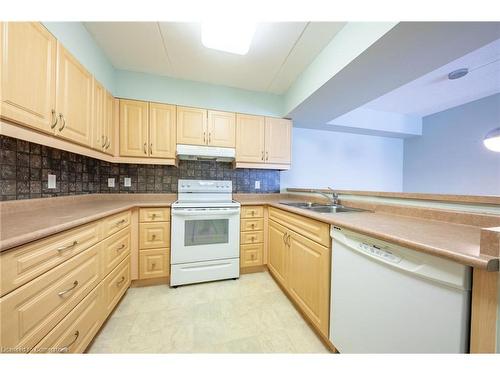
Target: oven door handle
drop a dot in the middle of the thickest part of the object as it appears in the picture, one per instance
(208, 212)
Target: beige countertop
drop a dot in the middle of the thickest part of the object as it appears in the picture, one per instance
(26, 221)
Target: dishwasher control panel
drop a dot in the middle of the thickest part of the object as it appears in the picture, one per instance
(379, 252)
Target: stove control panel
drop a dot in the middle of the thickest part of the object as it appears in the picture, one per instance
(205, 186)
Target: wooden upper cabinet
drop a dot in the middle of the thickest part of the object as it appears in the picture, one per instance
(109, 124)
(98, 116)
(278, 140)
(133, 128)
(250, 136)
(162, 130)
(221, 129)
(74, 99)
(191, 126)
(28, 74)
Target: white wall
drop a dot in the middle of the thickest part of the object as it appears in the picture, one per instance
(344, 161)
(450, 157)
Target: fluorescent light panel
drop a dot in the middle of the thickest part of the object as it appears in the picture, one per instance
(229, 37)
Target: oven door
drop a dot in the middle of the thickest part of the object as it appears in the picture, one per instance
(200, 234)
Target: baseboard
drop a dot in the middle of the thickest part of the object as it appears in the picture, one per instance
(252, 269)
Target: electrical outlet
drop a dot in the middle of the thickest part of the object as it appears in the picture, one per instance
(257, 184)
(51, 183)
(127, 182)
(111, 182)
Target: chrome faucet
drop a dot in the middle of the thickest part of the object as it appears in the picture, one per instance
(333, 196)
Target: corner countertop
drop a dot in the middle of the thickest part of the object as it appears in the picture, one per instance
(25, 221)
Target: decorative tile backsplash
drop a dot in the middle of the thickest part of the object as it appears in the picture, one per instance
(24, 167)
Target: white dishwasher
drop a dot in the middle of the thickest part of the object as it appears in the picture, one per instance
(389, 299)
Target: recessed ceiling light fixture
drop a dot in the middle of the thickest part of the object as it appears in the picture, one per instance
(232, 37)
(459, 73)
(492, 140)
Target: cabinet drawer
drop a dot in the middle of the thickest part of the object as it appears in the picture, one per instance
(252, 224)
(154, 214)
(113, 224)
(114, 250)
(115, 285)
(154, 235)
(35, 308)
(251, 255)
(22, 264)
(251, 237)
(77, 329)
(315, 230)
(154, 263)
(249, 212)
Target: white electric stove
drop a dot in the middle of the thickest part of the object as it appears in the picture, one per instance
(205, 241)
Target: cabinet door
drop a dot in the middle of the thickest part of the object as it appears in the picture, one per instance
(221, 129)
(133, 128)
(162, 128)
(109, 125)
(191, 126)
(154, 263)
(28, 74)
(278, 140)
(98, 117)
(309, 279)
(277, 251)
(250, 138)
(73, 99)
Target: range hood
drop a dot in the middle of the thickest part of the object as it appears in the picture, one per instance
(190, 152)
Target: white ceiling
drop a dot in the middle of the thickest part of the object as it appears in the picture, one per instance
(434, 92)
(279, 52)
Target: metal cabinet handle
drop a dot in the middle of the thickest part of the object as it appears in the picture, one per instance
(66, 348)
(120, 222)
(63, 121)
(145, 149)
(288, 240)
(54, 119)
(284, 238)
(62, 248)
(209, 137)
(103, 141)
(75, 284)
(204, 137)
(109, 143)
(121, 281)
(151, 148)
(267, 155)
(121, 247)
(262, 157)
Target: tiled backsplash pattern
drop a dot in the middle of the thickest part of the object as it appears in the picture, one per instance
(24, 167)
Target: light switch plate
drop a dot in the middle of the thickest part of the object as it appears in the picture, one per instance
(127, 182)
(51, 183)
(257, 184)
(111, 182)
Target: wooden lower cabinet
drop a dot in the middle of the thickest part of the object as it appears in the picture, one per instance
(309, 279)
(302, 267)
(115, 285)
(154, 263)
(251, 255)
(77, 329)
(277, 261)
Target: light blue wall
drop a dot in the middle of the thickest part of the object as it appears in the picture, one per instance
(450, 156)
(150, 87)
(77, 40)
(344, 161)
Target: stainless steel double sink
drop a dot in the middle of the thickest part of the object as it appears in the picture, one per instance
(322, 208)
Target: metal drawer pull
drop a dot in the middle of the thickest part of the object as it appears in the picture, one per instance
(66, 348)
(153, 237)
(54, 119)
(75, 284)
(63, 120)
(121, 248)
(120, 222)
(153, 216)
(121, 281)
(62, 248)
